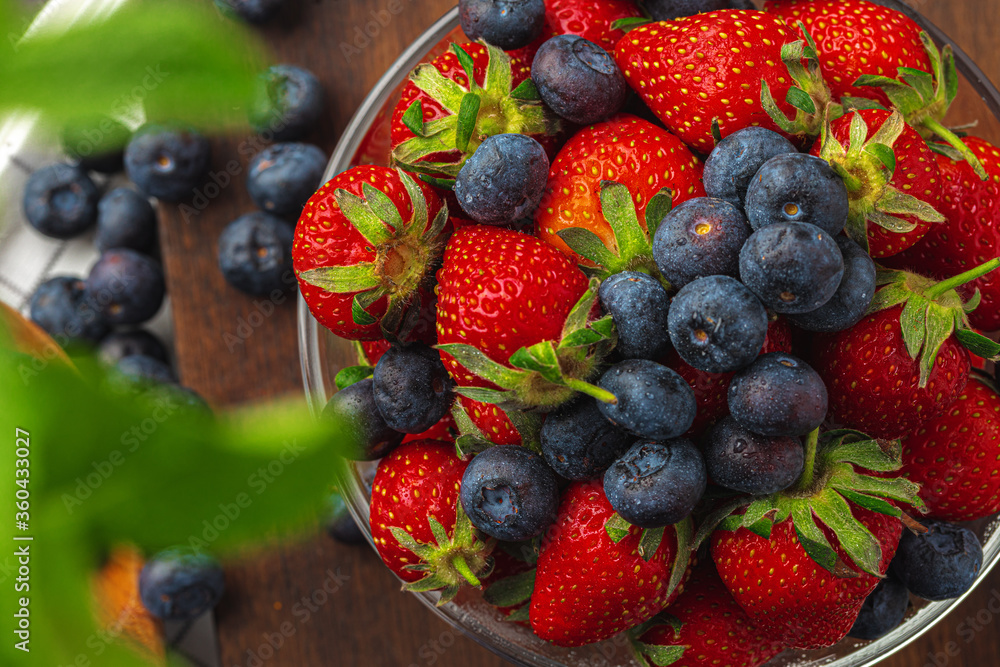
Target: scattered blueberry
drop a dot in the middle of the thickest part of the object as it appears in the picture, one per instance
(121, 344)
(60, 306)
(283, 177)
(578, 442)
(168, 162)
(180, 584)
(653, 401)
(509, 493)
(639, 305)
(509, 24)
(412, 387)
(668, 10)
(798, 187)
(717, 325)
(793, 267)
(701, 237)
(884, 609)
(778, 395)
(251, 11)
(340, 524)
(503, 180)
(142, 370)
(656, 484)
(578, 79)
(96, 143)
(125, 219)
(734, 161)
(355, 407)
(941, 564)
(741, 460)
(255, 253)
(288, 102)
(60, 201)
(851, 300)
(127, 287)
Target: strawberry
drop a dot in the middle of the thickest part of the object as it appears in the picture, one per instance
(625, 149)
(586, 18)
(703, 627)
(953, 457)
(364, 248)
(418, 525)
(119, 607)
(588, 586)
(492, 423)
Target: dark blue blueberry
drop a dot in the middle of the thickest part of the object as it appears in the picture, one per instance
(941, 564)
(793, 267)
(656, 484)
(60, 201)
(60, 306)
(653, 401)
(412, 387)
(884, 609)
(741, 460)
(509, 493)
(701, 237)
(167, 162)
(287, 104)
(735, 160)
(578, 79)
(851, 300)
(797, 187)
(126, 286)
(141, 370)
(180, 584)
(509, 24)
(121, 344)
(283, 177)
(255, 253)
(251, 11)
(340, 524)
(355, 407)
(503, 180)
(778, 395)
(125, 219)
(639, 305)
(96, 143)
(578, 442)
(717, 325)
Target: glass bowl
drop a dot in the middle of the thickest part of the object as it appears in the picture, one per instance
(322, 354)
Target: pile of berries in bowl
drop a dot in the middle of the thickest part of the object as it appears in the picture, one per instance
(662, 336)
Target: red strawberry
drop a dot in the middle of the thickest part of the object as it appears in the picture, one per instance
(704, 627)
(372, 351)
(954, 457)
(492, 422)
(589, 587)
(363, 250)
(417, 523)
(586, 18)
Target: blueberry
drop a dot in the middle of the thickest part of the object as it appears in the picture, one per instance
(656, 484)
(126, 286)
(653, 401)
(884, 609)
(701, 237)
(60, 306)
(166, 161)
(797, 187)
(283, 177)
(96, 143)
(668, 10)
(355, 407)
(180, 584)
(412, 387)
(778, 395)
(793, 267)
(142, 370)
(717, 325)
(509, 24)
(509, 493)
(287, 104)
(941, 564)
(340, 524)
(734, 161)
(578, 79)
(578, 442)
(851, 300)
(251, 11)
(503, 180)
(60, 201)
(741, 460)
(121, 344)
(125, 220)
(639, 305)
(255, 253)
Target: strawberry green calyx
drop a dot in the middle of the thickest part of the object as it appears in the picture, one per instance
(475, 113)
(652, 654)
(513, 591)
(618, 529)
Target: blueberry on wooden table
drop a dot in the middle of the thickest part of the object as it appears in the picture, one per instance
(167, 161)
(60, 201)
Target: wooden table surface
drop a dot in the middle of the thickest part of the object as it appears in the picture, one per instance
(230, 354)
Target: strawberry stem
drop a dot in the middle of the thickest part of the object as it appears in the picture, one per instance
(957, 281)
(940, 130)
(594, 391)
(809, 470)
(463, 569)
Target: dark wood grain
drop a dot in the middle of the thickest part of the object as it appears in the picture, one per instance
(281, 598)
